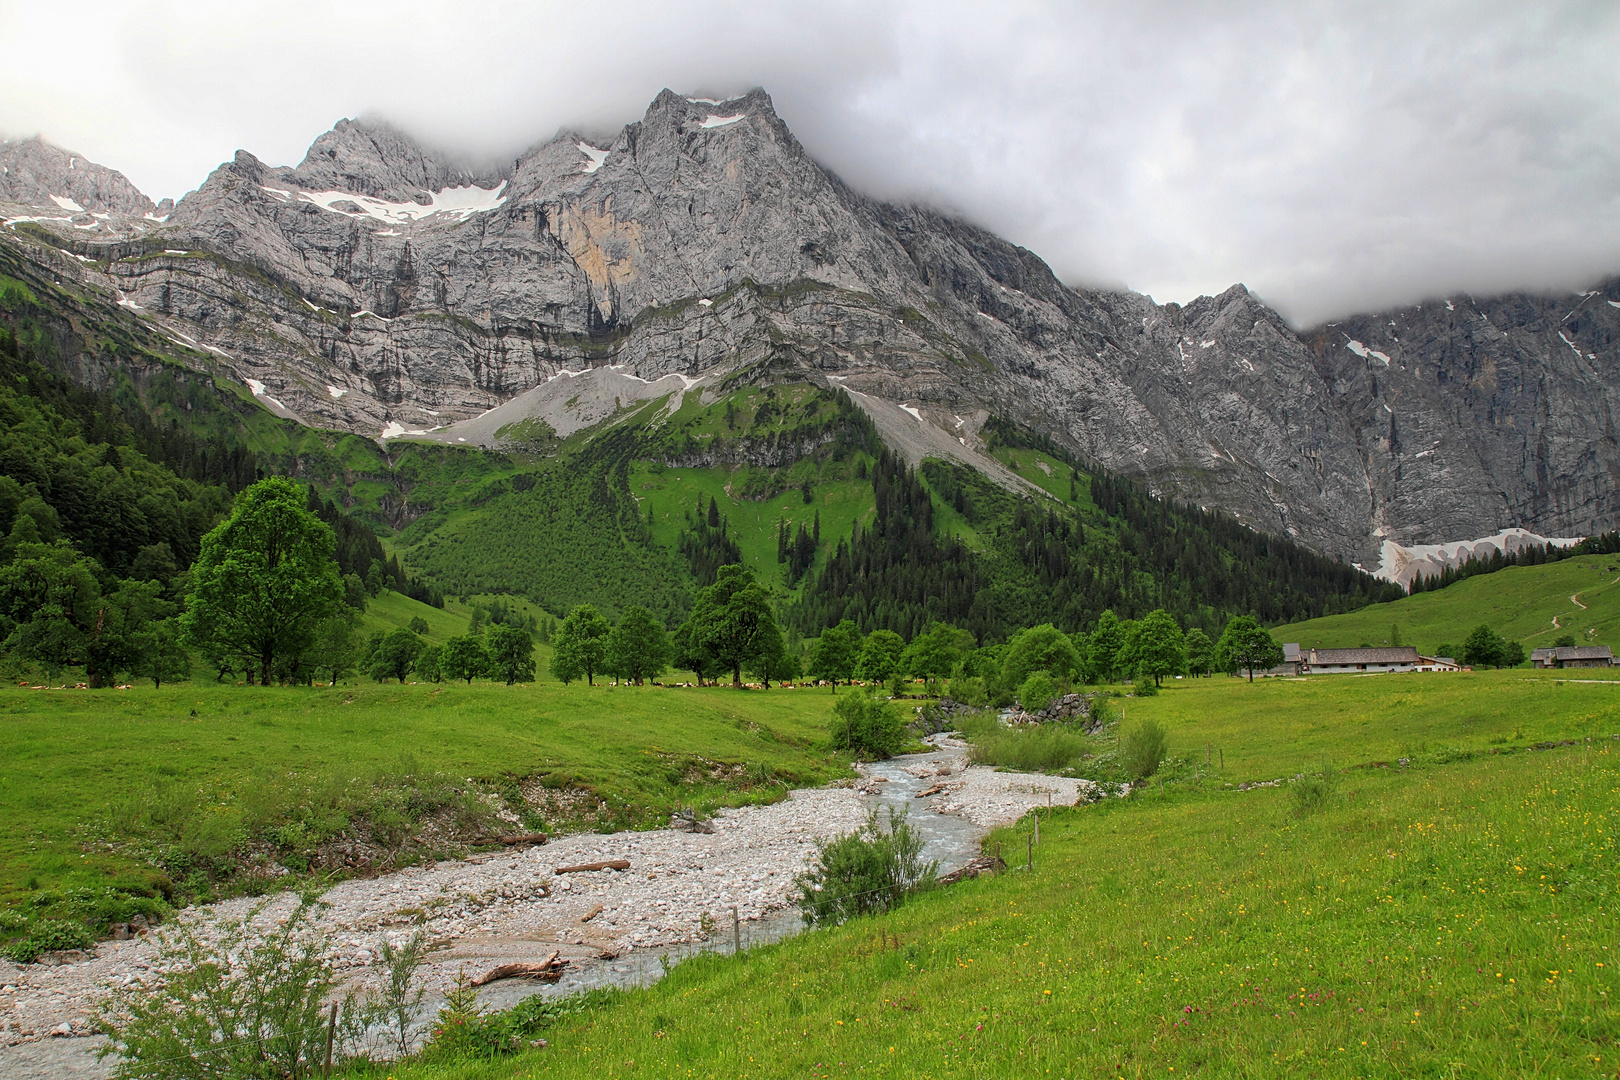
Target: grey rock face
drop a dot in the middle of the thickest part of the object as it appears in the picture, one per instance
(32, 171)
(378, 286)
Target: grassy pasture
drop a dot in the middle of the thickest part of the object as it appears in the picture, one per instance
(1276, 727)
(1448, 921)
(1519, 603)
(73, 762)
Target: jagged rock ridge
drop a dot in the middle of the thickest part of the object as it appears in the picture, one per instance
(379, 286)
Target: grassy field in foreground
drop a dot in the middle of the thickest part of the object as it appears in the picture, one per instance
(1450, 921)
(225, 758)
(1519, 603)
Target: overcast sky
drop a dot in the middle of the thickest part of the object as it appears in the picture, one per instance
(1332, 156)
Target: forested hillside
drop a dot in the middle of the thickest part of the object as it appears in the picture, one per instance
(124, 441)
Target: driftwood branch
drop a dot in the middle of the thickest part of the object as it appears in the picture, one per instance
(591, 914)
(582, 868)
(988, 864)
(549, 970)
(514, 839)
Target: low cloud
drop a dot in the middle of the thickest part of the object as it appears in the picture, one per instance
(1332, 156)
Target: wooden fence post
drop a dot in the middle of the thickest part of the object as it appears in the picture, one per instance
(331, 1032)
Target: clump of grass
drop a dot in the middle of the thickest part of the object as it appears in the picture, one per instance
(1312, 793)
(1048, 748)
(1143, 750)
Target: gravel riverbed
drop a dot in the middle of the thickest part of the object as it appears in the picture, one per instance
(494, 908)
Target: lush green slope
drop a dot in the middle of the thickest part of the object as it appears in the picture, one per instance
(1520, 603)
(1447, 919)
(600, 517)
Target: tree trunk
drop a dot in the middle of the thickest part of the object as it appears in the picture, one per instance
(264, 670)
(736, 677)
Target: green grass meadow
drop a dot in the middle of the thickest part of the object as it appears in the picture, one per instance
(1519, 602)
(73, 761)
(1445, 920)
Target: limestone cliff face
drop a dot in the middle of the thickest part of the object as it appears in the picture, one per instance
(378, 286)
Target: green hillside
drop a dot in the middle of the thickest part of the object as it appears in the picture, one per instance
(1519, 602)
(609, 516)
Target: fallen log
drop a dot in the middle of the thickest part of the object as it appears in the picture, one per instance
(988, 864)
(583, 868)
(935, 790)
(548, 970)
(514, 839)
(591, 914)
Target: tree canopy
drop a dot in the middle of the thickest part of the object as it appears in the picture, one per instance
(1245, 644)
(730, 620)
(837, 653)
(638, 648)
(1156, 646)
(580, 645)
(264, 580)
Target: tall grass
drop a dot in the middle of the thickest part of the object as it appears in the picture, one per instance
(1044, 748)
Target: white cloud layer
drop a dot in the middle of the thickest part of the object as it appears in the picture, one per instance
(1332, 156)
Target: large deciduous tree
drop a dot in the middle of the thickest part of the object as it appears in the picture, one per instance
(638, 648)
(836, 653)
(53, 610)
(395, 655)
(1485, 648)
(1156, 646)
(511, 654)
(1040, 648)
(264, 580)
(1103, 648)
(580, 645)
(1245, 644)
(464, 658)
(730, 620)
(880, 656)
(935, 652)
(1200, 652)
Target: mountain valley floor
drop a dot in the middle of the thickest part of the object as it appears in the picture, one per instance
(1418, 880)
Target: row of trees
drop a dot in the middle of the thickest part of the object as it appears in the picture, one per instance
(505, 653)
(731, 629)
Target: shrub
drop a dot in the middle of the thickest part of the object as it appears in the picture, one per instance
(392, 1011)
(867, 727)
(1100, 714)
(1145, 686)
(463, 1031)
(50, 935)
(870, 870)
(1037, 692)
(1142, 750)
(250, 1004)
(1047, 748)
(968, 690)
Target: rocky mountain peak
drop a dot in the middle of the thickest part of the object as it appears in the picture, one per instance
(392, 290)
(366, 157)
(36, 173)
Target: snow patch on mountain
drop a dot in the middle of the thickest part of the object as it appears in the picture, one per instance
(1401, 563)
(596, 157)
(461, 202)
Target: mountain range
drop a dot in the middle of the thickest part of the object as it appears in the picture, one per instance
(383, 289)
